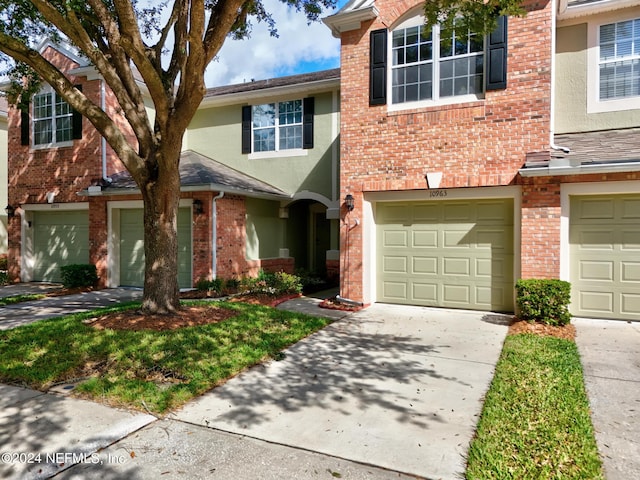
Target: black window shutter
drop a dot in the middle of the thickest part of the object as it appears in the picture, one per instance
(496, 75)
(308, 111)
(76, 121)
(246, 129)
(25, 126)
(378, 68)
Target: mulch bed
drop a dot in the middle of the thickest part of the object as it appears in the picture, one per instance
(187, 316)
(566, 332)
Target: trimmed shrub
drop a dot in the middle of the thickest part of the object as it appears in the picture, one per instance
(214, 285)
(544, 300)
(79, 275)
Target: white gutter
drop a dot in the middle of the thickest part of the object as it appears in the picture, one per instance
(103, 103)
(580, 170)
(214, 236)
(110, 191)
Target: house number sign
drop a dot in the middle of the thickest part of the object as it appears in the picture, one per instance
(437, 193)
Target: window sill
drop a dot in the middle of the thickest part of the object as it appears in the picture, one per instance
(405, 108)
(297, 152)
(50, 146)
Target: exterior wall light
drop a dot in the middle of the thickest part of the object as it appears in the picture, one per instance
(11, 211)
(349, 202)
(197, 207)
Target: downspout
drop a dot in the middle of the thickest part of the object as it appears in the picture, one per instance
(214, 235)
(552, 121)
(103, 103)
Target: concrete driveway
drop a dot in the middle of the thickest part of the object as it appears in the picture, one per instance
(392, 386)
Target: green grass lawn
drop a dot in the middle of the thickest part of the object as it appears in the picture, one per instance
(20, 298)
(150, 370)
(535, 423)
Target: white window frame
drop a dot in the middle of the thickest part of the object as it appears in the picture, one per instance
(277, 127)
(594, 104)
(52, 121)
(436, 100)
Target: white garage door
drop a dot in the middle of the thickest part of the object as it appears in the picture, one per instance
(132, 248)
(456, 254)
(59, 238)
(605, 256)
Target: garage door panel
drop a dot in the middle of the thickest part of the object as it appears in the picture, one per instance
(604, 238)
(456, 266)
(630, 240)
(630, 304)
(426, 213)
(456, 295)
(395, 238)
(426, 293)
(457, 212)
(630, 272)
(394, 264)
(395, 290)
(630, 209)
(596, 301)
(455, 239)
(594, 239)
(425, 265)
(470, 255)
(425, 239)
(596, 209)
(596, 270)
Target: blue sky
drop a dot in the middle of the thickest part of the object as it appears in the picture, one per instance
(300, 48)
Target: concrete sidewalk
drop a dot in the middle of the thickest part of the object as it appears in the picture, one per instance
(610, 354)
(12, 316)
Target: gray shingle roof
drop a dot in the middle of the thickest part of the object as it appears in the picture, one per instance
(622, 145)
(197, 170)
(333, 74)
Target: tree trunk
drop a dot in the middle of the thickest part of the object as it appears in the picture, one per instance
(161, 199)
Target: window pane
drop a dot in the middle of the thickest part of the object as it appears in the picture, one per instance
(397, 94)
(412, 54)
(398, 38)
(290, 112)
(411, 92)
(64, 130)
(446, 69)
(42, 106)
(446, 88)
(62, 107)
(42, 132)
(426, 52)
(290, 137)
(264, 115)
(264, 140)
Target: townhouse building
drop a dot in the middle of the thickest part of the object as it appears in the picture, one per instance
(259, 183)
(468, 162)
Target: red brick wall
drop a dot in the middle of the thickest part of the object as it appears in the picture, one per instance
(481, 143)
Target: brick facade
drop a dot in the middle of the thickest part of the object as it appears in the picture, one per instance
(479, 143)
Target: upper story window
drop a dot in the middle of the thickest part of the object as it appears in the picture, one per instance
(52, 119)
(414, 66)
(278, 128)
(429, 65)
(619, 60)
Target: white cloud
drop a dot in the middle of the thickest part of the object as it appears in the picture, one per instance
(300, 48)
